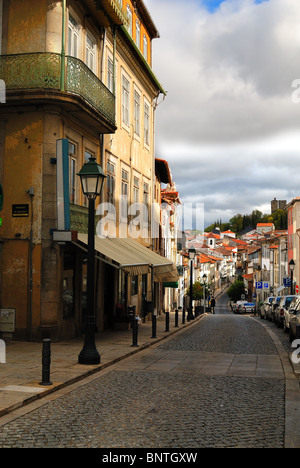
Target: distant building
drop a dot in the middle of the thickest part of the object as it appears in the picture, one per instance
(277, 205)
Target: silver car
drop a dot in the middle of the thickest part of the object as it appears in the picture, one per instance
(265, 307)
(294, 321)
(282, 311)
(290, 313)
(272, 308)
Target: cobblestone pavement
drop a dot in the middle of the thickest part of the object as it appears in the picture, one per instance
(218, 384)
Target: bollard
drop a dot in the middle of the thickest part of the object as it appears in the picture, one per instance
(46, 360)
(167, 321)
(183, 316)
(153, 326)
(297, 332)
(134, 330)
(176, 318)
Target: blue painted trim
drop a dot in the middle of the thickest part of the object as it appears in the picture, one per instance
(66, 172)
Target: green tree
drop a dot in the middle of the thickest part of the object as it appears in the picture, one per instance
(236, 290)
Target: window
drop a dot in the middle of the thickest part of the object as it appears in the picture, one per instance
(72, 171)
(137, 107)
(137, 34)
(136, 190)
(73, 38)
(145, 47)
(90, 55)
(146, 203)
(129, 16)
(110, 182)
(110, 74)
(88, 155)
(124, 193)
(125, 100)
(146, 124)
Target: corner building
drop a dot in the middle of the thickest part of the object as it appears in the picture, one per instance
(77, 72)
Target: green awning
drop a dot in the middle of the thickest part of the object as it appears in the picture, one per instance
(171, 285)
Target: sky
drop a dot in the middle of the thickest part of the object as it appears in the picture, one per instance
(229, 126)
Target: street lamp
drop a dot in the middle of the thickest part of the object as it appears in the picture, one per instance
(292, 267)
(192, 254)
(204, 280)
(92, 178)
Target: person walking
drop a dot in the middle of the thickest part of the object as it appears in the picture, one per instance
(213, 303)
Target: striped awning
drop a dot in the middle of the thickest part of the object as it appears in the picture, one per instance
(132, 257)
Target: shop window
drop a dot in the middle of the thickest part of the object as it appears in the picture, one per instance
(68, 285)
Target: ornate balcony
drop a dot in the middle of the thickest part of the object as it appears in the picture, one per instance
(44, 76)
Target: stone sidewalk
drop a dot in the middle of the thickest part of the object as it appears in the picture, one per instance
(21, 375)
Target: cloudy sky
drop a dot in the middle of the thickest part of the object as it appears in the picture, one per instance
(230, 124)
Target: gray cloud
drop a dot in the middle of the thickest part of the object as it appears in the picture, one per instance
(228, 126)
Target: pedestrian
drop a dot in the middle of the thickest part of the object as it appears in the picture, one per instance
(213, 303)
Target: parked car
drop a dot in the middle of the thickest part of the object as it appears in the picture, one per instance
(294, 320)
(273, 306)
(237, 305)
(246, 308)
(265, 307)
(290, 312)
(282, 309)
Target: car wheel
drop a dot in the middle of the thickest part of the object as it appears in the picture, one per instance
(291, 336)
(285, 329)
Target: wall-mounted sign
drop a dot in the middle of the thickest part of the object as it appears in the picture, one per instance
(20, 211)
(7, 320)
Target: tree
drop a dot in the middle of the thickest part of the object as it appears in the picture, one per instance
(197, 291)
(236, 290)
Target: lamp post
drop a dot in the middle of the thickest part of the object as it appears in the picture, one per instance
(204, 281)
(92, 178)
(292, 267)
(192, 254)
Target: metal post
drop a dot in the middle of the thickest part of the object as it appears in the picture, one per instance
(134, 329)
(167, 321)
(89, 353)
(183, 315)
(176, 318)
(153, 325)
(46, 360)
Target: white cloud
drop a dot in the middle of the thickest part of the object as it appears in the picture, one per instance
(228, 126)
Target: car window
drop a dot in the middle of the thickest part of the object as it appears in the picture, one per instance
(288, 301)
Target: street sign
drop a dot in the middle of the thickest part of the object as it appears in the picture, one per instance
(297, 288)
(266, 286)
(287, 281)
(258, 285)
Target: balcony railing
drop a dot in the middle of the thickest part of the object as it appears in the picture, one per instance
(43, 71)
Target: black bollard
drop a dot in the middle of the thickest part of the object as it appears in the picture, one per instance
(183, 316)
(134, 330)
(153, 326)
(46, 360)
(176, 318)
(167, 321)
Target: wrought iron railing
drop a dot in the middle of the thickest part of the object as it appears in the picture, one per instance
(44, 71)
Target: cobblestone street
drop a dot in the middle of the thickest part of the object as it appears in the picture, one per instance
(219, 383)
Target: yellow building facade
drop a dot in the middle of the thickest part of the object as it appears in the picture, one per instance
(81, 72)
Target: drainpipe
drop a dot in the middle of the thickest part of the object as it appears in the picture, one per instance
(63, 51)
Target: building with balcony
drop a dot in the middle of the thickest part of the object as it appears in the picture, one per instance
(77, 73)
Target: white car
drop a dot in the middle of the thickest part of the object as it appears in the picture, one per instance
(289, 312)
(282, 310)
(246, 308)
(265, 306)
(237, 305)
